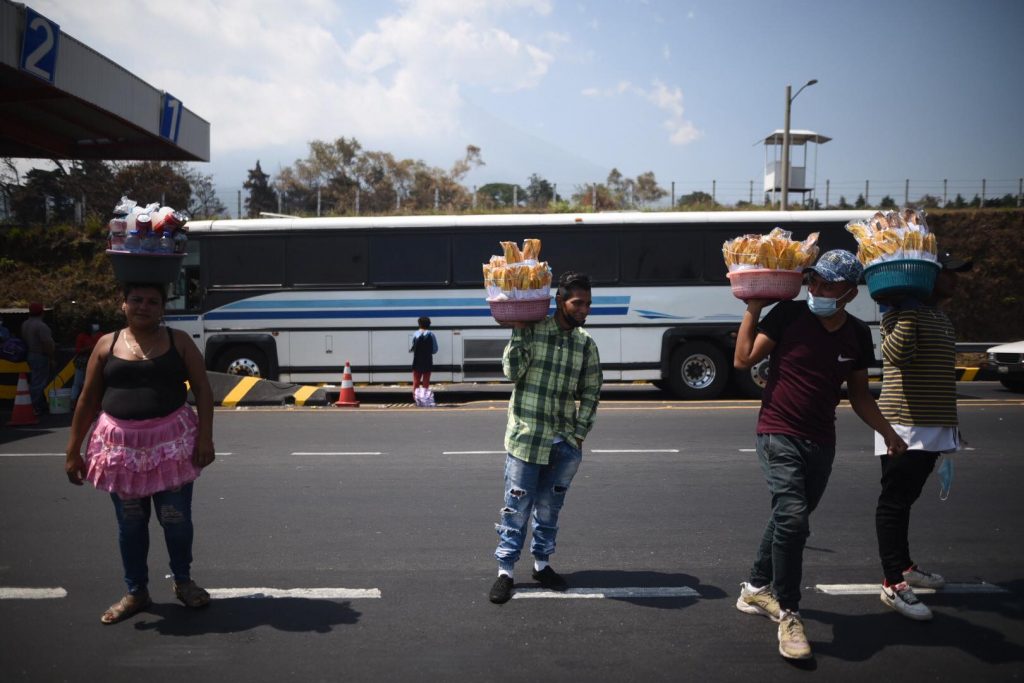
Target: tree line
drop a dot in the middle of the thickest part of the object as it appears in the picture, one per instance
(342, 178)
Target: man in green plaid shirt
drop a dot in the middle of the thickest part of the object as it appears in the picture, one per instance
(553, 363)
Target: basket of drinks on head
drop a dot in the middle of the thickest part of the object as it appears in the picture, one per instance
(146, 244)
(768, 266)
(899, 254)
(518, 283)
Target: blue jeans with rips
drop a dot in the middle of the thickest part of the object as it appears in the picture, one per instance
(537, 491)
(797, 472)
(174, 512)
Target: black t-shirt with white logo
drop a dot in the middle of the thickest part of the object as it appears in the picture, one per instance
(807, 369)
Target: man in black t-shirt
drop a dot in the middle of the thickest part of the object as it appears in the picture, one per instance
(815, 346)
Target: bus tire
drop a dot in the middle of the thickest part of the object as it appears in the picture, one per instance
(244, 360)
(751, 383)
(698, 370)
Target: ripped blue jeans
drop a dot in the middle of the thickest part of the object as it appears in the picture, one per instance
(536, 491)
(174, 512)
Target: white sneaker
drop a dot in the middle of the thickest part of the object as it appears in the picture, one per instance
(919, 578)
(902, 599)
(792, 640)
(758, 601)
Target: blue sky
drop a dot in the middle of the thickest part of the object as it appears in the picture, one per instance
(907, 89)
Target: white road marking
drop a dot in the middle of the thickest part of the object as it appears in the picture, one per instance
(748, 450)
(11, 593)
(598, 593)
(873, 588)
(471, 452)
(636, 450)
(337, 453)
(303, 593)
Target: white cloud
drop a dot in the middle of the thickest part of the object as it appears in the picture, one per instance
(668, 99)
(272, 73)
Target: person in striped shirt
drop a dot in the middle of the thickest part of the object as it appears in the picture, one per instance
(919, 400)
(554, 363)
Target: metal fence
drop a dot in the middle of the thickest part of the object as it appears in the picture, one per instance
(870, 193)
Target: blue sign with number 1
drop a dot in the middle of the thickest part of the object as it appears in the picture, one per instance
(170, 118)
(39, 48)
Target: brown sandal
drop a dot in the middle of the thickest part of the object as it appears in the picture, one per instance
(126, 607)
(191, 595)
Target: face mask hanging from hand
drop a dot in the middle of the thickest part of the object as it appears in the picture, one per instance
(945, 477)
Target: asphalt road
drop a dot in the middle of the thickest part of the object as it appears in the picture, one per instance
(394, 499)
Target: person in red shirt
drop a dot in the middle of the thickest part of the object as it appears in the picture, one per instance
(85, 342)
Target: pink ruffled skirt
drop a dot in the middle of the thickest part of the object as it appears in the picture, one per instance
(137, 458)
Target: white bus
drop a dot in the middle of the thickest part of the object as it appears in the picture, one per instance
(294, 299)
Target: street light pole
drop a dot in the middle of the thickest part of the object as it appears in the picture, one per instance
(785, 142)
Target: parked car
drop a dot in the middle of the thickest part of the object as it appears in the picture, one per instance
(1007, 360)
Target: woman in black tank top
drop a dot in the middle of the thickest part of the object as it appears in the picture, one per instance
(148, 445)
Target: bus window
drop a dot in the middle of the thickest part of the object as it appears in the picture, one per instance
(254, 260)
(668, 256)
(593, 253)
(409, 260)
(322, 260)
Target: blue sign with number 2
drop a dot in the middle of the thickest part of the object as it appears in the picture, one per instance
(39, 48)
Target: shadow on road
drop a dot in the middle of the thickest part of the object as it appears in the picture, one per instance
(233, 615)
(857, 638)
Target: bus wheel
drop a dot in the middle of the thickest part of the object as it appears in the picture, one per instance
(698, 370)
(751, 383)
(243, 360)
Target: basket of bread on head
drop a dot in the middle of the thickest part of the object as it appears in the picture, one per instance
(518, 283)
(899, 254)
(768, 266)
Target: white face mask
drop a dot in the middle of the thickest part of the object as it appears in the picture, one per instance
(823, 306)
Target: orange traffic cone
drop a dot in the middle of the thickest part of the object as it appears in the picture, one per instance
(347, 395)
(22, 413)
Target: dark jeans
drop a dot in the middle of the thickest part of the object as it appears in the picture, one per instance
(903, 477)
(797, 472)
(174, 512)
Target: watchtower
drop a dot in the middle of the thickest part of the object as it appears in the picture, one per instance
(798, 177)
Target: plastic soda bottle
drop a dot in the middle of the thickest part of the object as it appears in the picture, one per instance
(133, 242)
(166, 242)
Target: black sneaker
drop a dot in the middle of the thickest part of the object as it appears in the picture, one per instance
(501, 591)
(550, 579)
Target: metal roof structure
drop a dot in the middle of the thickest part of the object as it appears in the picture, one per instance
(60, 99)
(796, 137)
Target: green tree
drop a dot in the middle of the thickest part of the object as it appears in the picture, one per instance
(154, 181)
(261, 196)
(204, 202)
(647, 189)
(696, 199)
(860, 203)
(501, 195)
(887, 203)
(539, 192)
(585, 196)
(843, 204)
(42, 197)
(958, 202)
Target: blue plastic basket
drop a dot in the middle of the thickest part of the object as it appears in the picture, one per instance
(901, 277)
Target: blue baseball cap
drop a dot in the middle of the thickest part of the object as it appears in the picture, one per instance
(837, 265)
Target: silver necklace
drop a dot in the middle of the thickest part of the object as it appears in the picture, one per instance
(136, 349)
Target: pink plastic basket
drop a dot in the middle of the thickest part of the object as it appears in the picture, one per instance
(764, 283)
(523, 311)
